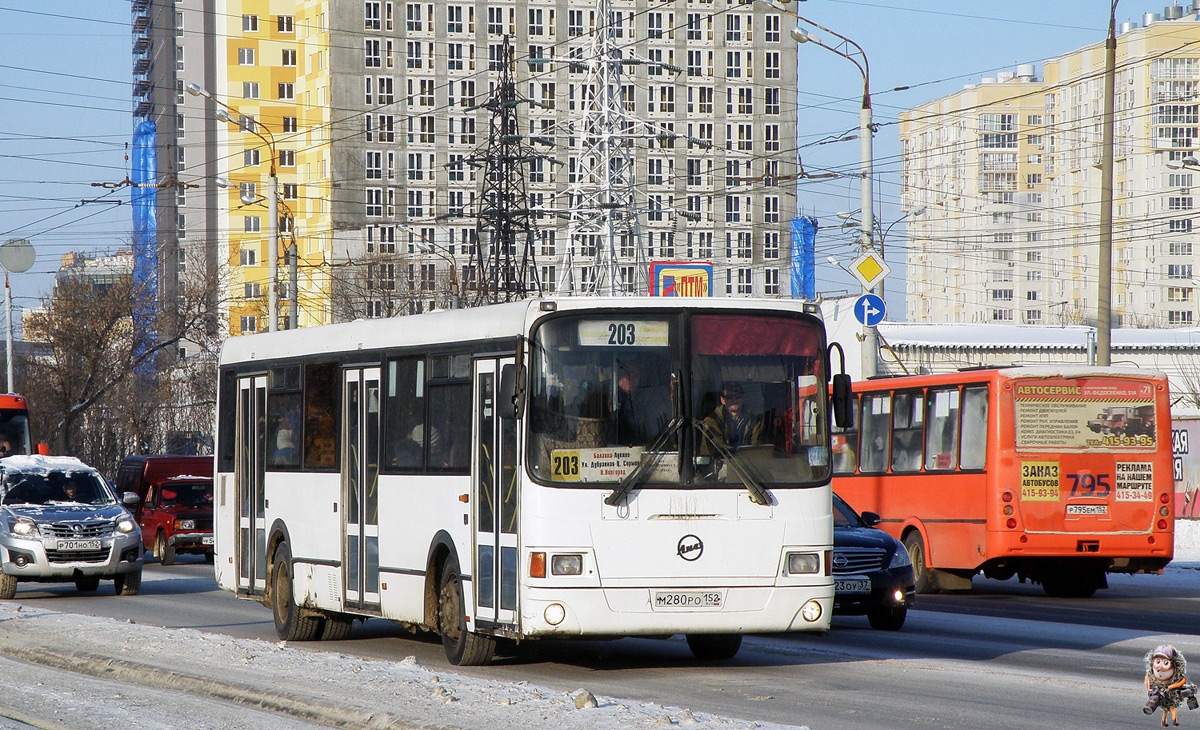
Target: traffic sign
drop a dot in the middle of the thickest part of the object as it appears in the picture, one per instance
(869, 309)
(869, 269)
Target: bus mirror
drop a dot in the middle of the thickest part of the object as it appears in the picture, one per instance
(511, 398)
(843, 401)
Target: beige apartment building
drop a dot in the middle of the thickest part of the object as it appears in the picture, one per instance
(1001, 181)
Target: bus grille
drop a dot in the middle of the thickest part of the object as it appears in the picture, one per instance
(849, 560)
(77, 556)
(86, 531)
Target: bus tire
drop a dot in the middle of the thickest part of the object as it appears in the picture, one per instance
(922, 575)
(128, 584)
(714, 647)
(165, 553)
(290, 625)
(336, 627)
(8, 586)
(463, 648)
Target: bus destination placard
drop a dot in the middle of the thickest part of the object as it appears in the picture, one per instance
(614, 333)
(1084, 414)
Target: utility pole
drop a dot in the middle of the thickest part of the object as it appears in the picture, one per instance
(1104, 294)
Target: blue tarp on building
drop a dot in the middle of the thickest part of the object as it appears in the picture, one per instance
(145, 228)
(804, 240)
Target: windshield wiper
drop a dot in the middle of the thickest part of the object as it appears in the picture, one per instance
(758, 493)
(633, 478)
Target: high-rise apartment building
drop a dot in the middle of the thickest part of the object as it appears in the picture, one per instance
(366, 111)
(1001, 182)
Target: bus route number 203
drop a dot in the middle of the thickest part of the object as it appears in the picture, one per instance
(565, 466)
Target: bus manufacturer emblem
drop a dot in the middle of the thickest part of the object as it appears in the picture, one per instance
(690, 548)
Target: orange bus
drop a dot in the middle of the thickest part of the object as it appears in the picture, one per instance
(14, 425)
(1056, 475)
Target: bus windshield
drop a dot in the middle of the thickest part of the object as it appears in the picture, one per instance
(14, 431)
(697, 400)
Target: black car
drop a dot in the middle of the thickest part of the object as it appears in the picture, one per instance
(872, 573)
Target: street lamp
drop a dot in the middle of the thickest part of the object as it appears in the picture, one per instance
(853, 53)
(224, 115)
(293, 252)
(424, 245)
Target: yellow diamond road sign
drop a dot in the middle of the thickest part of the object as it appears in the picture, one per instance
(870, 269)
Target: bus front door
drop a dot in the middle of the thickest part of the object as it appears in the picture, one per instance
(494, 487)
(360, 486)
(251, 462)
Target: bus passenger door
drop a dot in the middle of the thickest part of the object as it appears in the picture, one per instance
(251, 463)
(360, 487)
(494, 494)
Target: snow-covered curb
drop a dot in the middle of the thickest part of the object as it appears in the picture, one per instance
(336, 689)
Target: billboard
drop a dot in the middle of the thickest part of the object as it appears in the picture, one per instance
(681, 278)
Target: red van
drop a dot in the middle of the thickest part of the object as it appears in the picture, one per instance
(175, 507)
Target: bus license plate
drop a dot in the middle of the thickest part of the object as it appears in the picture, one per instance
(1087, 509)
(851, 585)
(78, 544)
(688, 599)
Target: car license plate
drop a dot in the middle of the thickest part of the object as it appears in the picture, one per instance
(1087, 509)
(860, 584)
(78, 544)
(206, 540)
(688, 599)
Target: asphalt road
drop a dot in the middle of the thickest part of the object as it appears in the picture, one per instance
(1003, 656)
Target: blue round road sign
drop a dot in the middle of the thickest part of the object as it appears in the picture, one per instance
(869, 309)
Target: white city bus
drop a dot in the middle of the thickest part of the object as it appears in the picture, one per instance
(539, 469)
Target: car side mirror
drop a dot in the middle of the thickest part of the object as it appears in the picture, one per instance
(872, 519)
(130, 499)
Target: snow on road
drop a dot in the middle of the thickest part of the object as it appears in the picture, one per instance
(318, 688)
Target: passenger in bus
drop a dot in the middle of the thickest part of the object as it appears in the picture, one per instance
(729, 425)
(285, 447)
(5, 447)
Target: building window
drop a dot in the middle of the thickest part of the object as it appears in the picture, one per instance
(285, 24)
(373, 58)
(771, 102)
(289, 57)
(252, 290)
(771, 281)
(249, 257)
(771, 245)
(249, 23)
(371, 15)
(249, 323)
(1179, 318)
(245, 56)
(249, 89)
(252, 224)
(287, 158)
(287, 92)
(289, 124)
(745, 284)
(250, 158)
(374, 202)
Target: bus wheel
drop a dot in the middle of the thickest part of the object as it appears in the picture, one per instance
(1071, 583)
(462, 647)
(289, 624)
(916, 553)
(8, 587)
(336, 627)
(714, 647)
(165, 553)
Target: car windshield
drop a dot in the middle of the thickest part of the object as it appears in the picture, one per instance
(194, 494)
(49, 487)
(844, 515)
(696, 400)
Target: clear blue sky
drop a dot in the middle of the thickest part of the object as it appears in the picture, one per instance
(65, 107)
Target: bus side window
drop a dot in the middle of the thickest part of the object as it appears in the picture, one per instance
(845, 445)
(907, 421)
(941, 436)
(404, 414)
(876, 430)
(974, 428)
(321, 415)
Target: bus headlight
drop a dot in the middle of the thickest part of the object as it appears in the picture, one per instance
(555, 613)
(803, 564)
(810, 611)
(566, 564)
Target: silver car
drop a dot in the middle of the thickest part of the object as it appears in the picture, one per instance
(59, 522)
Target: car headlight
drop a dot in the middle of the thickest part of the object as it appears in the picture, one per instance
(185, 524)
(900, 558)
(126, 526)
(24, 528)
(803, 563)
